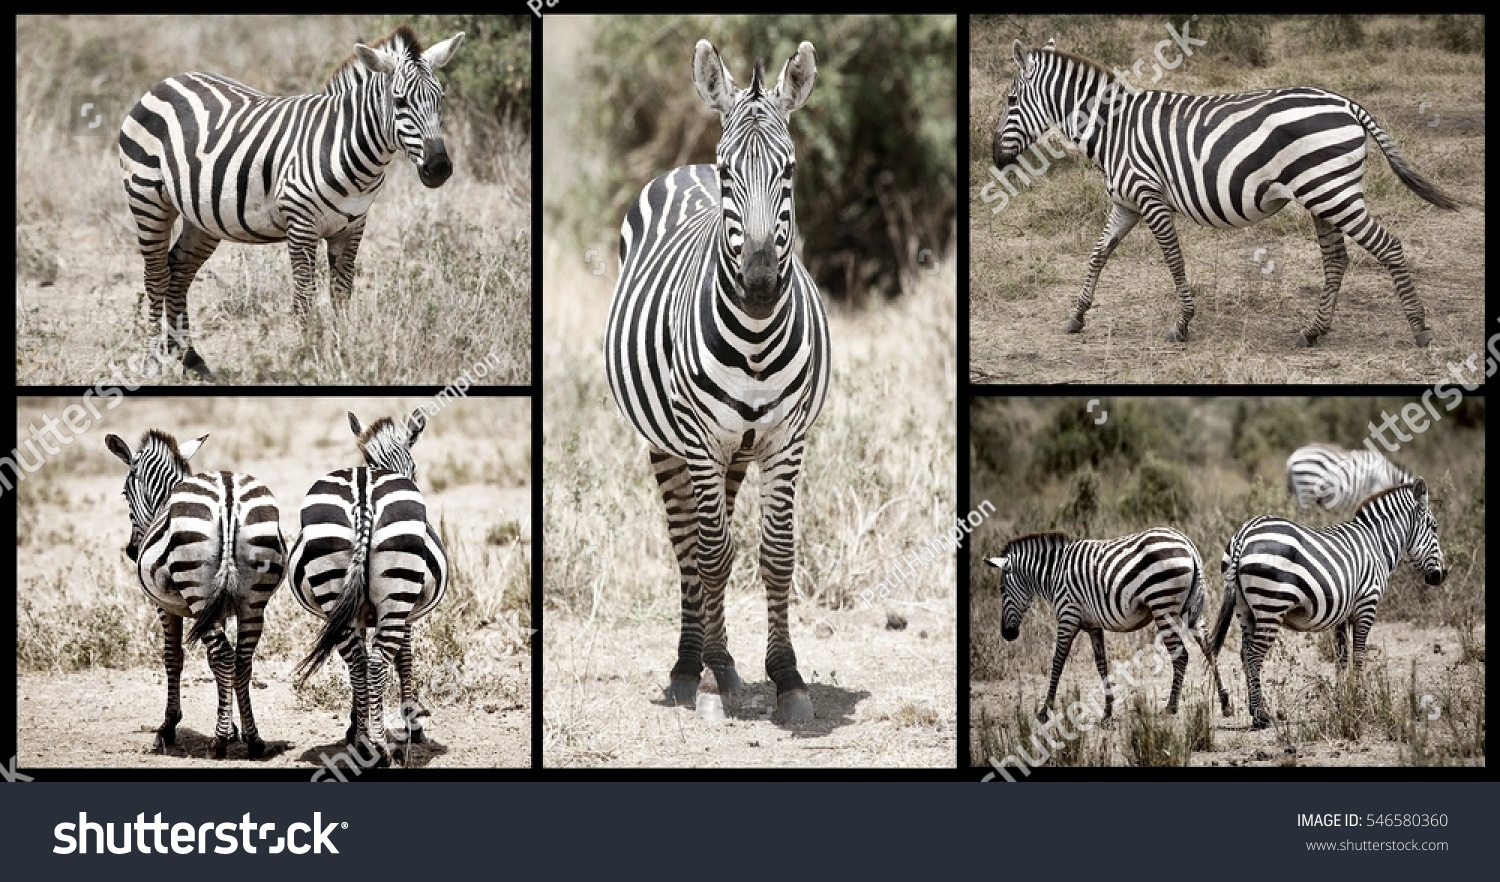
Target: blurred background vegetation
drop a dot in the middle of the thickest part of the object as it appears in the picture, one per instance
(876, 165)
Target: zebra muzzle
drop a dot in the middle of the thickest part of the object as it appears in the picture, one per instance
(1010, 632)
(1001, 158)
(1435, 577)
(436, 168)
(132, 551)
(760, 280)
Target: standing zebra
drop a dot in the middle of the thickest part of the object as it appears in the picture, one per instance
(206, 547)
(1221, 160)
(368, 558)
(1098, 585)
(254, 168)
(717, 353)
(1330, 476)
(1277, 572)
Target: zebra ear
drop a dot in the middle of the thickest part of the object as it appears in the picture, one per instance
(119, 448)
(1018, 54)
(415, 425)
(354, 425)
(191, 447)
(1000, 562)
(715, 85)
(372, 59)
(796, 81)
(443, 52)
(1419, 490)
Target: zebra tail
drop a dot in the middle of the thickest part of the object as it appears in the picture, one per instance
(1231, 594)
(1408, 175)
(220, 600)
(352, 597)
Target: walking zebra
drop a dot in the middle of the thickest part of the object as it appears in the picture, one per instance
(368, 558)
(1330, 476)
(253, 168)
(1277, 572)
(1221, 160)
(206, 547)
(717, 353)
(1098, 585)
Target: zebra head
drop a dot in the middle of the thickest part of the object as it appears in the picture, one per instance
(414, 98)
(1024, 117)
(155, 469)
(387, 444)
(1015, 597)
(1421, 545)
(755, 165)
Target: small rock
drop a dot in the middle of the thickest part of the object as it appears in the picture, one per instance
(1437, 649)
(922, 635)
(822, 630)
(1262, 756)
(895, 622)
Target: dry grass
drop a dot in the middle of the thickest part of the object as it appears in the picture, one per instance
(1028, 261)
(80, 611)
(878, 482)
(451, 267)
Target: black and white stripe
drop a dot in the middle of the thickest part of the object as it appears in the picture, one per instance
(206, 547)
(1221, 160)
(368, 559)
(717, 352)
(1097, 585)
(1278, 573)
(1332, 477)
(242, 166)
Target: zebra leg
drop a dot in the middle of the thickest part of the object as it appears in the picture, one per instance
(778, 560)
(1341, 645)
(1363, 621)
(1254, 644)
(1170, 639)
(1101, 661)
(715, 559)
(249, 620)
(379, 659)
(342, 249)
(1159, 220)
(716, 655)
(302, 243)
(154, 216)
(221, 662)
(411, 711)
(1213, 668)
(352, 648)
(676, 489)
(171, 651)
(1386, 248)
(1335, 262)
(1067, 629)
(1120, 222)
(193, 247)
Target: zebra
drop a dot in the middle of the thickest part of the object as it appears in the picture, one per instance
(1221, 160)
(1330, 476)
(1277, 572)
(242, 166)
(367, 558)
(716, 350)
(206, 547)
(1097, 585)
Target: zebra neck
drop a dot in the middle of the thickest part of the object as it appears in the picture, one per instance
(368, 122)
(1384, 538)
(1084, 112)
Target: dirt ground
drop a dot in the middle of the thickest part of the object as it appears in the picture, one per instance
(1293, 678)
(882, 698)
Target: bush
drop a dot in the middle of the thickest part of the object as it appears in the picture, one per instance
(877, 168)
(1159, 494)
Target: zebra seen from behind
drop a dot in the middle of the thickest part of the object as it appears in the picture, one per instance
(206, 547)
(367, 559)
(1221, 160)
(1097, 585)
(1332, 477)
(717, 353)
(1279, 573)
(242, 166)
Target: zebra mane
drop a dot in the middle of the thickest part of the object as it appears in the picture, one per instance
(158, 438)
(1078, 60)
(402, 41)
(758, 82)
(1045, 537)
(372, 432)
(1373, 497)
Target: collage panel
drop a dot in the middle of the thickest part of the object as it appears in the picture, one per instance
(749, 386)
(1301, 191)
(1277, 542)
(383, 163)
(138, 649)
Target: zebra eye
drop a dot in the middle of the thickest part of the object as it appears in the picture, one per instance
(400, 102)
(1010, 100)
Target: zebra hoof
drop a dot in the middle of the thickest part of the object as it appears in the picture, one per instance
(1175, 336)
(1424, 337)
(1260, 723)
(256, 748)
(194, 364)
(729, 680)
(416, 735)
(710, 706)
(1304, 340)
(683, 692)
(1073, 326)
(220, 748)
(793, 708)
